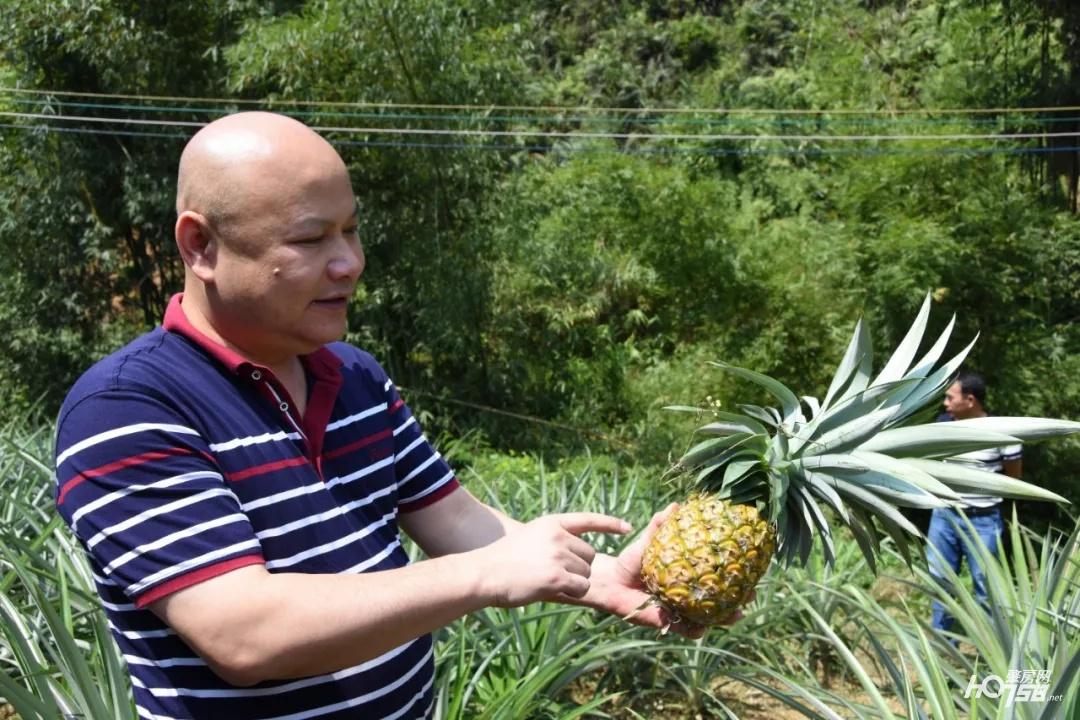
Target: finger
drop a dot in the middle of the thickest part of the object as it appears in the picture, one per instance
(577, 566)
(659, 518)
(580, 548)
(575, 586)
(630, 558)
(687, 629)
(583, 522)
(732, 618)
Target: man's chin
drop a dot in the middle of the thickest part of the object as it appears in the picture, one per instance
(318, 337)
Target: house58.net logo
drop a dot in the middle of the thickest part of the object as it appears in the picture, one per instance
(1017, 686)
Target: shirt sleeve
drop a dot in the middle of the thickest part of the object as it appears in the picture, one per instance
(423, 475)
(1011, 452)
(140, 489)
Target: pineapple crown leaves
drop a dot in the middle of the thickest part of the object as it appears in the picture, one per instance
(853, 452)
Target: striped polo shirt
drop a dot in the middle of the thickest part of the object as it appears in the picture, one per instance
(178, 460)
(989, 459)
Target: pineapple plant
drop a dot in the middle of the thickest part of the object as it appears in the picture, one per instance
(764, 477)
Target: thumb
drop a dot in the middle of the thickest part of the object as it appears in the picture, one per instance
(630, 559)
(659, 518)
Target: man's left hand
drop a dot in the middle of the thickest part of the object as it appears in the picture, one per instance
(616, 587)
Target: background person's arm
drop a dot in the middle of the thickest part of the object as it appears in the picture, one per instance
(1011, 459)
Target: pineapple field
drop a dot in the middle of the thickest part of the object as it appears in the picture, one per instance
(822, 640)
(619, 255)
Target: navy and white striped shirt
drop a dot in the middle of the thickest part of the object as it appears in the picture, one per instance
(178, 460)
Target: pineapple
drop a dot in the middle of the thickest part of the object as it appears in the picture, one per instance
(763, 474)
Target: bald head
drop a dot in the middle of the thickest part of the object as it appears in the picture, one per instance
(237, 164)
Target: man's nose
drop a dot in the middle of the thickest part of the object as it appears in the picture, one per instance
(348, 261)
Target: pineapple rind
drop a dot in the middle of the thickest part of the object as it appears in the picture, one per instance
(705, 560)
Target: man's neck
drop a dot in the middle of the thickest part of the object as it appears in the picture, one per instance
(288, 369)
(196, 309)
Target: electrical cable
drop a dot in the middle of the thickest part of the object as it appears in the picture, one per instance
(541, 108)
(93, 131)
(519, 416)
(557, 149)
(997, 137)
(489, 118)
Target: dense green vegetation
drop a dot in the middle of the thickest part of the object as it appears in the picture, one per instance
(628, 259)
(568, 208)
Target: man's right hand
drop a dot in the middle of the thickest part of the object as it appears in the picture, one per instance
(542, 559)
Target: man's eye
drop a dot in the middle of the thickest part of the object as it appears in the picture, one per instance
(351, 230)
(309, 241)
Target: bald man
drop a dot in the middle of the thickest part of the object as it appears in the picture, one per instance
(238, 477)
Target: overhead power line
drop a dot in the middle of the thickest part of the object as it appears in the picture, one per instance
(540, 108)
(572, 134)
(92, 131)
(563, 149)
(520, 416)
(486, 117)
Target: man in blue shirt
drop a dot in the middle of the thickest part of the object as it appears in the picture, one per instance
(238, 477)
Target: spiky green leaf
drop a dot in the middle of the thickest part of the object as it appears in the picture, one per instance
(814, 515)
(857, 354)
(927, 362)
(828, 463)
(901, 358)
(891, 486)
(894, 523)
(895, 490)
(788, 402)
(686, 409)
(935, 440)
(969, 479)
(850, 434)
(934, 384)
(858, 405)
(748, 423)
(778, 489)
(723, 429)
(905, 471)
(866, 536)
(759, 413)
(706, 451)
(737, 469)
(1024, 428)
(819, 485)
(881, 509)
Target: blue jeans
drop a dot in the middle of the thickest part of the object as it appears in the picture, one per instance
(947, 537)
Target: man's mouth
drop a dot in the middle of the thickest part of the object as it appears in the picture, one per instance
(333, 302)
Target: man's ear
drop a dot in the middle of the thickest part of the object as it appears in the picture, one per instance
(198, 246)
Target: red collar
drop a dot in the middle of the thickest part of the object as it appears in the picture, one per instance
(322, 363)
